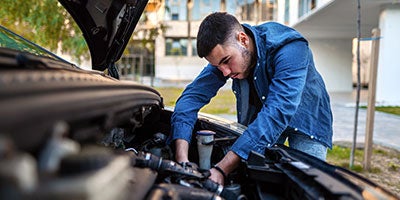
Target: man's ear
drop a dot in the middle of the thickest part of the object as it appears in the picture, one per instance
(243, 39)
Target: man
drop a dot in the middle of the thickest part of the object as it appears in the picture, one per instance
(278, 90)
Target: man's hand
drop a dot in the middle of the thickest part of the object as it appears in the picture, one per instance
(216, 176)
(226, 165)
(181, 152)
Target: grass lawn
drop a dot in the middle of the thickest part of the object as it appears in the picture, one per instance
(389, 109)
(223, 103)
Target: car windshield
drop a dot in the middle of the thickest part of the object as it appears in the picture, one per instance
(11, 40)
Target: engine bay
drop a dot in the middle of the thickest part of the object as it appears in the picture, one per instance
(131, 161)
(135, 161)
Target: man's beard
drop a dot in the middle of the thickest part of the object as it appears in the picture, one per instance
(249, 60)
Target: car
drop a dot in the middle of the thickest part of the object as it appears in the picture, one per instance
(71, 133)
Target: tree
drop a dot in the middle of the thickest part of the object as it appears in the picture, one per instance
(46, 23)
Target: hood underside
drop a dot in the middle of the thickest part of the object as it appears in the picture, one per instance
(107, 26)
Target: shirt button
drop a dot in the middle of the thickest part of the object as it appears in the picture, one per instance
(312, 137)
(234, 91)
(295, 129)
(268, 144)
(255, 78)
(263, 97)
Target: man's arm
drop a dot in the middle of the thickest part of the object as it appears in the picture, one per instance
(195, 96)
(182, 149)
(227, 165)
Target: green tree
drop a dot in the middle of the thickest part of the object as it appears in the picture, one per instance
(46, 23)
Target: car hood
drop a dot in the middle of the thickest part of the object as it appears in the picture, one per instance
(107, 26)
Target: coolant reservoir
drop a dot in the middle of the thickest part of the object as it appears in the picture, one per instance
(205, 140)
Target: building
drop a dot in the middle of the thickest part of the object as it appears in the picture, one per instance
(329, 25)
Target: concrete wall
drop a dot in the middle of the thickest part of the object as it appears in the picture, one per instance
(178, 68)
(333, 59)
(388, 79)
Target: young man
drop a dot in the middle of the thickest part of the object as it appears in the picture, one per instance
(279, 92)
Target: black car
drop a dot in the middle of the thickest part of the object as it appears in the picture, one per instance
(69, 133)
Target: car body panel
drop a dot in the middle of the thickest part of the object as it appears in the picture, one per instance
(38, 91)
(107, 26)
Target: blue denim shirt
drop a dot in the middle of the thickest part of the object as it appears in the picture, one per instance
(291, 90)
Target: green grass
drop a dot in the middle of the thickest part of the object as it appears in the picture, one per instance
(223, 103)
(340, 156)
(170, 95)
(387, 109)
(341, 153)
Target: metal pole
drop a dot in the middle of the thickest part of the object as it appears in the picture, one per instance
(353, 146)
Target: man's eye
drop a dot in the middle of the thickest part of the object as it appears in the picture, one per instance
(226, 61)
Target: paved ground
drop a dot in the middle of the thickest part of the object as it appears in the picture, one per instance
(386, 126)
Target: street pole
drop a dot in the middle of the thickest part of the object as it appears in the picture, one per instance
(353, 146)
(369, 130)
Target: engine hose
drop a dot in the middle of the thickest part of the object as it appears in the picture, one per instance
(175, 192)
(225, 192)
(147, 160)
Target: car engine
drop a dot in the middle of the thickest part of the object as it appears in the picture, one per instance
(135, 162)
(124, 163)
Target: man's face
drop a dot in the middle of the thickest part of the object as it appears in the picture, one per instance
(233, 60)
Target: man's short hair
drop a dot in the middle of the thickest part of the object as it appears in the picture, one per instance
(216, 28)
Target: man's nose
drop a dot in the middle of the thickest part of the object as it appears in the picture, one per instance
(225, 70)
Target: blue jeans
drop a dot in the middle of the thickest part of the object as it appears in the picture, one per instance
(302, 142)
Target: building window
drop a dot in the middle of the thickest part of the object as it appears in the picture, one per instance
(265, 10)
(287, 11)
(136, 62)
(175, 16)
(248, 10)
(269, 10)
(176, 10)
(305, 6)
(194, 47)
(202, 8)
(176, 46)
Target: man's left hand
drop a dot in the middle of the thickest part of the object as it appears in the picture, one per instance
(216, 176)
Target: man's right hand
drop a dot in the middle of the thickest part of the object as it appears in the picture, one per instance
(181, 150)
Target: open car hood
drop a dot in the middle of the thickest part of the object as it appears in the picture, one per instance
(106, 25)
